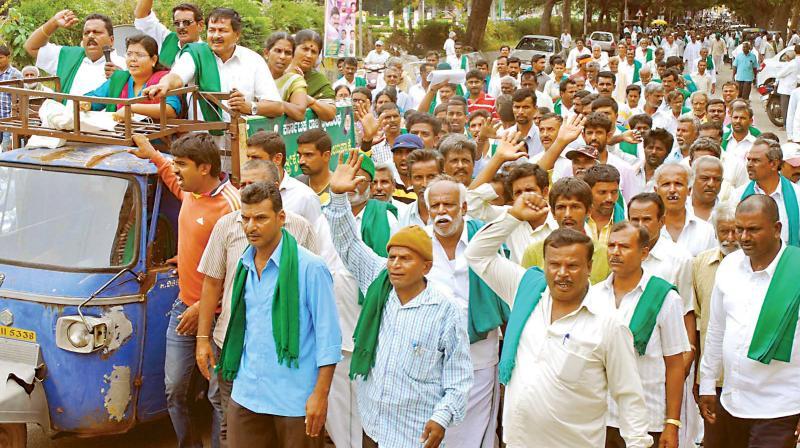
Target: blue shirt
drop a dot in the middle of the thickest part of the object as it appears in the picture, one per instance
(744, 65)
(104, 91)
(5, 98)
(262, 385)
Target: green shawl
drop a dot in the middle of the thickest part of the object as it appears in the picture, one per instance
(285, 313)
(636, 67)
(619, 209)
(365, 336)
(169, 50)
(774, 333)
(318, 86)
(375, 230)
(529, 293)
(486, 309)
(709, 63)
(649, 55)
(646, 312)
(207, 76)
(116, 83)
(69, 61)
(557, 107)
(789, 202)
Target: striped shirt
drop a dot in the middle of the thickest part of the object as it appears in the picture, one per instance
(482, 102)
(5, 98)
(422, 368)
(225, 248)
(199, 213)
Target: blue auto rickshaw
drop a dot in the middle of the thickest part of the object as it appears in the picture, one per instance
(85, 290)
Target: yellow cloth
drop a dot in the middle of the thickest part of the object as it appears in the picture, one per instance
(704, 272)
(534, 256)
(600, 235)
(414, 238)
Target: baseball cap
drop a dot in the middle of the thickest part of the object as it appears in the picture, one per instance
(791, 153)
(410, 141)
(378, 42)
(583, 56)
(586, 150)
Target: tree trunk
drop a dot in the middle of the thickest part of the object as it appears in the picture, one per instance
(589, 13)
(566, 16)
(476, 26)
(795, 19)
(781, 17)
(547, 13)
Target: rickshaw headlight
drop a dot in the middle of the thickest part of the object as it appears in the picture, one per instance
(78, 335)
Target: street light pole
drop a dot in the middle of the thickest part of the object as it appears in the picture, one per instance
(584, 18)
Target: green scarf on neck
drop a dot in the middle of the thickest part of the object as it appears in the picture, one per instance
(375, 230)
(169, 50)
(116, 83)
(636, 66)
(529, 293)
(777, 321)
(649, 56)
(619, 210)
(365, 336)
(285, 313)
(646, 312)
(789, 202)
(709, 63)
(207, 75)
(557, 107)
(69, 61)
(486, 310)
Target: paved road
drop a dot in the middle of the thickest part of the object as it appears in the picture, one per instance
(760, 114)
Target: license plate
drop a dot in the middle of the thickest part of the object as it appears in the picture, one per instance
(18, 334)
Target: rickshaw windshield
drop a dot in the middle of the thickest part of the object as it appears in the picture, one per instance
(67, 220)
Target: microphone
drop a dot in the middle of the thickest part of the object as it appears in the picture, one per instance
(107, 53)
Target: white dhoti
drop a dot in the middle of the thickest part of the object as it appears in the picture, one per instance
(479, 428)
(343, 423)
(692, 426)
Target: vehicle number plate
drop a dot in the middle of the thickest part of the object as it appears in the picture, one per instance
(18, 334)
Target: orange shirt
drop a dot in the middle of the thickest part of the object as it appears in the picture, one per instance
(199, 213)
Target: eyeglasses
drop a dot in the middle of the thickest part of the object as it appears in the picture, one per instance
(182, 23)
(135, 55)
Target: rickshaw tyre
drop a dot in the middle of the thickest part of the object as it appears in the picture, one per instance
(13, 435)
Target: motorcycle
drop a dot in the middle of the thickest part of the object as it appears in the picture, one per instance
(772, 102)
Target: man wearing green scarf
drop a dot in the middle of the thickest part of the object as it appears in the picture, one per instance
(411, 360)
(80, 68)
(653, 311)
(604, 182)
(187, 19)
(283, 339)
(563, 354)
(752, 336)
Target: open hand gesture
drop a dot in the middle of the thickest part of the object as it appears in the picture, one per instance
(65, 18)
(345, 178)
(511, 147)
(571, 129)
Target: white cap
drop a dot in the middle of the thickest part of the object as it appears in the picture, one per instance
(379, 42)
(791, 153)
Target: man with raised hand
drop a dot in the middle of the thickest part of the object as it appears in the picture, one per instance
(411, 361)
(187, 20)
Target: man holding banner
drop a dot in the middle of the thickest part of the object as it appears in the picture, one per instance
(752, 336)
(187, 19)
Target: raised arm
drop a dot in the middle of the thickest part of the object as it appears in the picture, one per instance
(425, 103)
(143, 8)
(41, 36)
(569, 131)
(144, 150)
(510, 148)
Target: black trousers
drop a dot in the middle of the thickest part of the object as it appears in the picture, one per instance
(744, 89)
(735, 432)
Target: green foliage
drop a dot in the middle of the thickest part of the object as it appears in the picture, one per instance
(259, 20)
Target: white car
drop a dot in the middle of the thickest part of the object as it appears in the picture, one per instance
(771, 66)
(605, 40)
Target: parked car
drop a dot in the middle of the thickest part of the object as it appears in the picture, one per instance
(605, 40)
(771, 66)
(533, 44)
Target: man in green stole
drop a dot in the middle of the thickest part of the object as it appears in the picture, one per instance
(752, 336)
(80, 68)
(653, 311)
(559, 342)
(187, 19)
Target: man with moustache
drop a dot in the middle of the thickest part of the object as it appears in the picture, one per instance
(562, 356)
(524, 105)
(740, 139)
(751, 335)
(657, 146)
(707, 172)
(606, 209)
(459, 157)
(81, 68)
(314, 155)
(673, 182)
(549, 129)
(715, 111)
(187, 19)
(423, 166)
(685, 135)
(704, 272)
(383, 186)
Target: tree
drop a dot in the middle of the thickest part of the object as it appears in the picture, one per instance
(566, 16)
(476, 25)
(547, 13)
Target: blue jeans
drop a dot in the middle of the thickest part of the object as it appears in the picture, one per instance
(179, 365)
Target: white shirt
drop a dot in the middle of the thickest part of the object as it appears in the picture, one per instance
(777, 195)
(703, 82)
(674, 264)
(697, 235)
(543, 100)
(373, 57)
(300, 198)
(417, 93)
(740, 149)
(566, 369)
(751, 389)
(668, 339)
(410, 216)
(452, 278)
(151, 26)
(787, 76)
(245, 71)
(449, 48)
(566, 40)
(532, 140)
(572, 65)
(393, 223)
(792, 117)
(90, 75)
(671, 50)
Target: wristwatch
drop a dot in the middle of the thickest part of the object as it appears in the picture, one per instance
(672, 421)
(254, 108)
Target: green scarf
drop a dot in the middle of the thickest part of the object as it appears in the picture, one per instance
(690, 85)
(619, 210)
(777, 321)
(365, 336)
(709, 63)
(486, 309)
(789, 202)
(69, 61)
(629, 148)
(285, 313)
(116, 83)
(529, 292)
(644, 316)
(649, 55)
(557, 107)
(360, 82)
(636, 66)
(464, 63)
(169, 50)
(207, 75)
(375, 230)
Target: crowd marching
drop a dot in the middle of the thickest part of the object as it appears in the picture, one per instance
(593, 232)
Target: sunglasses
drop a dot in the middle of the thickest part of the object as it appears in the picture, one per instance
(182, 23)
